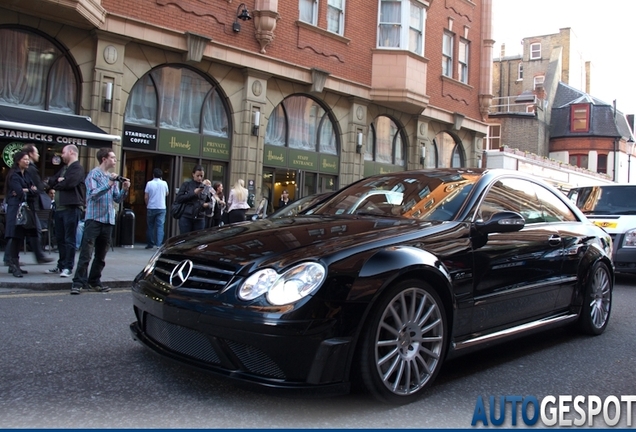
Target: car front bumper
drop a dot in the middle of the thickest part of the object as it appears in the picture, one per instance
(624, 257)
(295, 355)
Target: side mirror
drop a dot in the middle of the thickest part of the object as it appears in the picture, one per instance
(501, 222)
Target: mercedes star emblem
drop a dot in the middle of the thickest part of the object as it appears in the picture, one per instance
(181, 273)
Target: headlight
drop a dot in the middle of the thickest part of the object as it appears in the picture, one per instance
(630, 239)
(289, 287)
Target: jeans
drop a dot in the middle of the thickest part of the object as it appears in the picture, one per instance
(65, 228)
(187, 224)
(96, 238)
(156, 219)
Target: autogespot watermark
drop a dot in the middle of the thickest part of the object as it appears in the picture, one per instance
(562, 410)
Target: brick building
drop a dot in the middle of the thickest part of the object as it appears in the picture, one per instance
(307, 96)
(542, 107)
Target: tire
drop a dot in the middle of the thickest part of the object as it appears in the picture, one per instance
(597, 301)
(404, 344)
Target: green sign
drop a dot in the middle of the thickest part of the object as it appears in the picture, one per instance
(303, 160)
(329, 164)
(216, 148)
(275, 156)
(371, 168)
(9, 150)
(177, 142)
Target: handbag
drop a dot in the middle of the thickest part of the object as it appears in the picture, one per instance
(177, 209)
(25, 217)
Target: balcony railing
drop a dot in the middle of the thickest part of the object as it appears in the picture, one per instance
(526, 104)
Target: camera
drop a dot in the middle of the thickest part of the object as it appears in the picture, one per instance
(119, 178)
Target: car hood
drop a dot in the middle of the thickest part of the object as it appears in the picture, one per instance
(281, 242)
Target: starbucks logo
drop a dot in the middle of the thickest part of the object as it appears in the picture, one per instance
(8, 152)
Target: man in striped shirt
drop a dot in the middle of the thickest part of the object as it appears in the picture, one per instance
(102, 192)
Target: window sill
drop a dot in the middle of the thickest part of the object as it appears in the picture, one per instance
(323, 32)
(459, 83)
(399, 51)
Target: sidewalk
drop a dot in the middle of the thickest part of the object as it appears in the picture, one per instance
(122, 265)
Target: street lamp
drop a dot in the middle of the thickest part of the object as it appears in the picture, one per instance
(631, 143)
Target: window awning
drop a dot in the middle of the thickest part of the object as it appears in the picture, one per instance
(25, 124)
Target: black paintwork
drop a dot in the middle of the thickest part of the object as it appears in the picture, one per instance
(489, 278)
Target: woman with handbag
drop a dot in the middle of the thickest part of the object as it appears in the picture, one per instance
(194, 201)
(219, 203)
(19, 188)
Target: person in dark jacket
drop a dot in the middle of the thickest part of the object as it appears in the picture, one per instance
(34, 241)
(18, 188)
(70, 199)
(196, 202)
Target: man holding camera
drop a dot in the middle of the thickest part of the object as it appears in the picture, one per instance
(102, 192)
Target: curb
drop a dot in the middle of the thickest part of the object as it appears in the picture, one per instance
(56, 286)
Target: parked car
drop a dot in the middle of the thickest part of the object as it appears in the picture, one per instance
(613, 208)
(379, 285)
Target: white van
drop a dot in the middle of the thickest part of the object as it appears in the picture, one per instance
(612, 207)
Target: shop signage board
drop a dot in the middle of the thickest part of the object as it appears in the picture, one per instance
(178, 142)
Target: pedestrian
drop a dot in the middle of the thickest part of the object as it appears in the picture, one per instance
(70, 199)
(219, 203)
(196, 202)
(102, 192)
(35, 242)
(19, 187)
(209, 211)
(284, 199)
(155, 198)
(237, 202)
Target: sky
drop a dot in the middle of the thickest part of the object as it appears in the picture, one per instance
(606, 32)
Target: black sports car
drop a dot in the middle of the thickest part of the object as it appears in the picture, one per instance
(381, 283)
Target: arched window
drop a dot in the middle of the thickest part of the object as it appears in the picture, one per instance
(36, 72)
(300, 122)
(450, 152)
(385, 142)
(178, 98)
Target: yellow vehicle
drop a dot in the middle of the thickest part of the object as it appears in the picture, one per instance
(613, 208)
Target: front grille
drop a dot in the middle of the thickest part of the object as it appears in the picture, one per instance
(180, 339)
(255, 360)
(194, 344)
(205, 275)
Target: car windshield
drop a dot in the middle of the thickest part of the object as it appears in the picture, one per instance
(299, 206)
(600, 200)
(430, 195)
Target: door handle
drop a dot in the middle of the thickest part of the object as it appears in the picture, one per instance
(554, 240)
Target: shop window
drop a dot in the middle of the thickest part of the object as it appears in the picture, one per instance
(300, 122)
(37, 72)
(175, 97)
(387, 146)
(580, 118)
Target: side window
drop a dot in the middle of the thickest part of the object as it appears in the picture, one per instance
(554, 210)
(512, 195)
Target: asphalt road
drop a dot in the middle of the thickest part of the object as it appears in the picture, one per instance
(69, 362)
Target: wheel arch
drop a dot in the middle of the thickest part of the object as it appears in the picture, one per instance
(394, 265)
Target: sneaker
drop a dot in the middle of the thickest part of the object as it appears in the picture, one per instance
(53, 271)
(75, 290)
(99, 288)
(65, 273)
